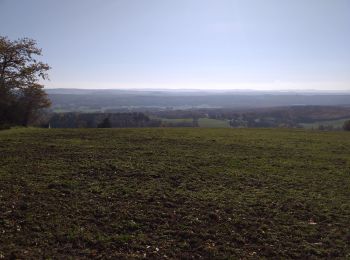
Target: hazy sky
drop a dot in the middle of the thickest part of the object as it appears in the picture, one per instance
(220, 44)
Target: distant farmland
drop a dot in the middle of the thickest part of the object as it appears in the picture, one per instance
(174, 193)
(337, 124)
(202, 122)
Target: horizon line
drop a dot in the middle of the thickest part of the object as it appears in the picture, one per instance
(203, 90)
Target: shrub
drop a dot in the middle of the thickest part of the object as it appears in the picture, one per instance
(4, 127)
(346, 125)
(105, 123)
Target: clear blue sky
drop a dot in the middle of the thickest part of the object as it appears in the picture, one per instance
(220, 44)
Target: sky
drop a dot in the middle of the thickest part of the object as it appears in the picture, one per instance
(188, 44)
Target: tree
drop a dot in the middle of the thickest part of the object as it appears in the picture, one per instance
(346, 125)
(33, 99)
(321, 127)
(105, 123)
(21, 95)
(195, 122)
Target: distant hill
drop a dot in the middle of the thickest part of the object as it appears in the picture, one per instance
(100, 100)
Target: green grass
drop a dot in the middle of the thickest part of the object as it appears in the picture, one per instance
(177, 120)
(213, 123)
(176, 193)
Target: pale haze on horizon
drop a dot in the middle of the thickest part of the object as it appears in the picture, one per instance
(188, 44)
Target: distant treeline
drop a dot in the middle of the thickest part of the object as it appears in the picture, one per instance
(109, 120)
(104, 120)
(317, 117)
(292, 117)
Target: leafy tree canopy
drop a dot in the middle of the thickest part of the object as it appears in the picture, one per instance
(21, 94)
